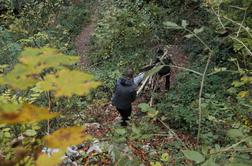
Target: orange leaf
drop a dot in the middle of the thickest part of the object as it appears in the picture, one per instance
(27, 113)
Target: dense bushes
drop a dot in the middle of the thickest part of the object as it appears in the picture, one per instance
(9, 47)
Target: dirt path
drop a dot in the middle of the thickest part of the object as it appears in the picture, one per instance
(82, 42)
(179, 58)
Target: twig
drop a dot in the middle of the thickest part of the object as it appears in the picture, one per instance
(241, 42)
(231, 148)
(237, 23)
(49, 108)
(234, 22)
(202, 81)
(143, 85)
(154, 87)
(219, 17)
(200, 96)
(244, 17)
(216, 72)
(175, 135)
(187, 69)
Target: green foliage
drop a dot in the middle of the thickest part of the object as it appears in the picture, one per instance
(194, 155)
(9, 47)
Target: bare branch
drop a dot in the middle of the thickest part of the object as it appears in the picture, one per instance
(241, 42)
(244, 17)
(173, 133)
(187, 69)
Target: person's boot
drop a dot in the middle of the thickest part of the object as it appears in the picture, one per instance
(124, 123)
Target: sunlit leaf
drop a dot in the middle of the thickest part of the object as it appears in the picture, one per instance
(33, 61)
(9, 107)
(155, 163)
(65, 137)
(68, 83)
(2, 67)
(243, 94)
(152, 113)
(235, 133)
(246, 79)
(238, 84)
(30, 133)
(189, 36)
(165, 157)
(53, 160)
(193, 155)
(43, 58)
(172, 25)
(184, 23)
(198, 30)
(25, 114)
(19, 78)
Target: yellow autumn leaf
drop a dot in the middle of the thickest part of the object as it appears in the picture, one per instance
(6, 106)
(33, 61)
(247, 79)
(65, 137)
(68, 83)
(45, 58)
(19, 78)
(25, 114)
(53, 160)
(243, 94)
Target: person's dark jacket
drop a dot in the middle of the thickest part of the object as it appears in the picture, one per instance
(125, 93)
(166, 69)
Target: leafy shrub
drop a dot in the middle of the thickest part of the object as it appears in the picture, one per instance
(9, 48)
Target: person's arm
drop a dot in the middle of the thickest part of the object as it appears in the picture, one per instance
(139, 78)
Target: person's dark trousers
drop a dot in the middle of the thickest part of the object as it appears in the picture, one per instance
(167, 82)
(125, 114)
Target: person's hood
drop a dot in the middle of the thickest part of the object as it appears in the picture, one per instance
(126, 82)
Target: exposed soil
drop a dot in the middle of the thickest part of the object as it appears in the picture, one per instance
(82, 41)
(180, 59)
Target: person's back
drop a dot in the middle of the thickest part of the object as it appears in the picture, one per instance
(125, 94)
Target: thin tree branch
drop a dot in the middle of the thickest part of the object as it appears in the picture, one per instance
(244, 17)
(231, 148)
(234, 22)
(200, 95)
(202, 82)
(241, 42)
(237, 23)
(143, 85)
(187, 69)
(175, 135)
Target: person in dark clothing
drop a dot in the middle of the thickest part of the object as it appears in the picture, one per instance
(125, 94)
(165, 71)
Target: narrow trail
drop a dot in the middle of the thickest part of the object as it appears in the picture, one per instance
(82, 42)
